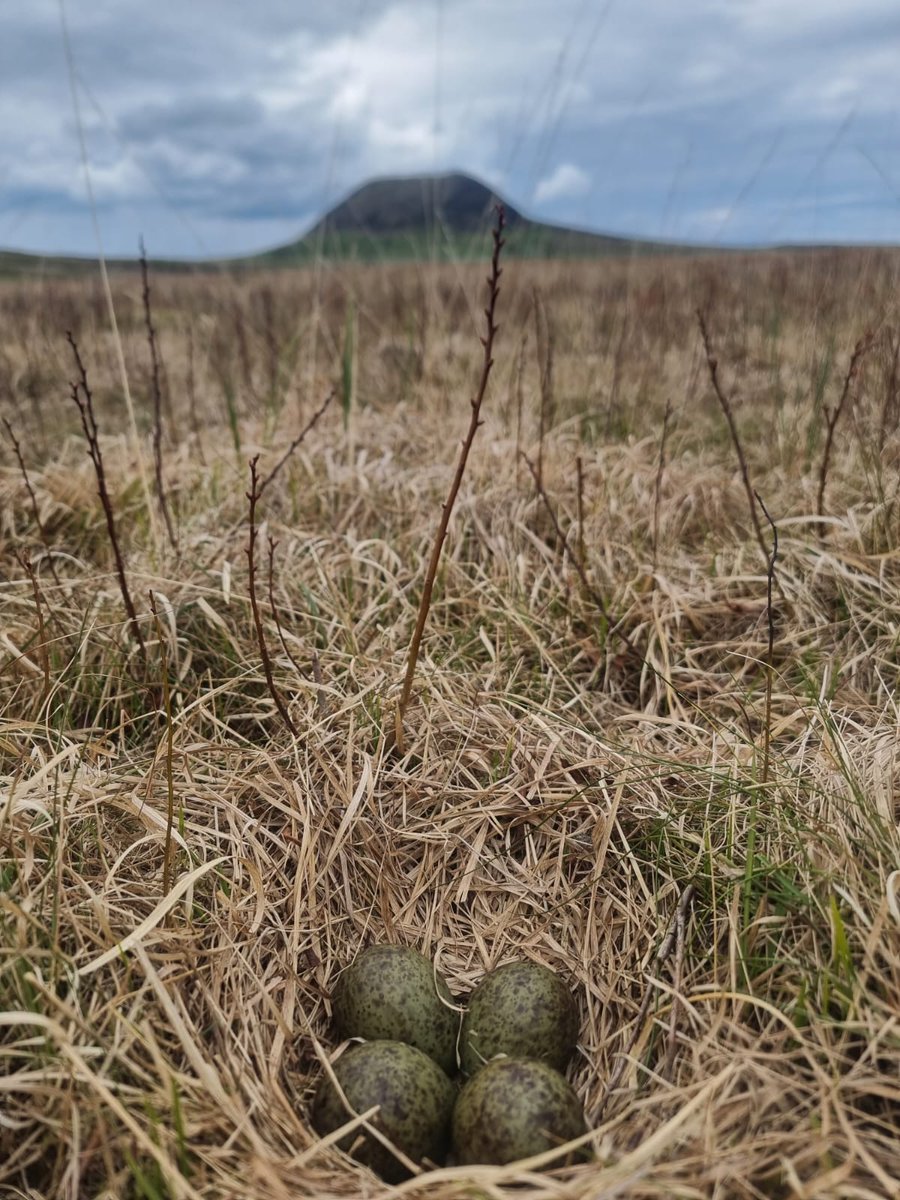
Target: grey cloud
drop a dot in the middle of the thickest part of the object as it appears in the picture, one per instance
(251, 117)
(199, 117)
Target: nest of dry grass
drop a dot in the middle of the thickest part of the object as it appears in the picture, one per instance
(731, 930)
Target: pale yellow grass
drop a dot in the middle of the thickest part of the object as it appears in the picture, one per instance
(558, 798)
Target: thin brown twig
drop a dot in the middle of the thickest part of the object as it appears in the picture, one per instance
(577, 561)
(253, 497)
(321, 700)
(271, 546)
(487, 342)
(832, 416)
(17, 450)
(520, 398)
(545, 367)
(579, 505)
(168, 853)
(770, 653)
(28, 568)
(614, 624)
(191, 384)
(297, 441)
(672, 1039)
(316, 668)
(657, 491)
(668, 943)
(157, 403)
(713, 364)
(81, 394)
(270, 573)
(892, 388)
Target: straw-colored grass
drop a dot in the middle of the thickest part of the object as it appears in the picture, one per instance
(733, 944)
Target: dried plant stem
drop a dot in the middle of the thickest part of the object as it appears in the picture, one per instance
(770, 652)
(191, 385)
(545, 367)
(81, 394)
(28, 568)
(487, 342)
(577, 560)
(889, 403)
(316, 669)
(832, 416)
(310, 424)
(271, 546)
(579, 500)
(519, 390)
(713, 364)
(168, 853)
(678, 966)
(669, 943)
(157, 403)
(657, 490)
(270, 341)
(35, 511)
(618, 366)
(253, 497)
(614, 624)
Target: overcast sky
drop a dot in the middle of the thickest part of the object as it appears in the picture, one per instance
(226, 126)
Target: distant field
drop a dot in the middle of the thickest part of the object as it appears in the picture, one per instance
(529, 241)
(614, 762)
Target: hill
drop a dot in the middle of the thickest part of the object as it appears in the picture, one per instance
(416, 203)
(399, 218)
(439, 216)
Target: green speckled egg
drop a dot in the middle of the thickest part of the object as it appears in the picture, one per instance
(522, 1010)
(513, 1108)
(395, 993)
(416, 1100)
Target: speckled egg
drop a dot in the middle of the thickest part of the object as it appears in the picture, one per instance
(416, 1100)
(393, 992)
(513, 1108)
(522, 1010)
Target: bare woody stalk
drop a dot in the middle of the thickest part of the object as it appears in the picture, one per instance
(298, 440)
(170, 752)
(614, 624)
(657, 491)
(675, 932)
(35, 511)
(770, 652)
(579, 476)
(520, 399)
(545, 366)
(81, 394)
(27, 567)
(577, 561)
(678, 966)
(272, 546)
(487, 342)
(316, 669)
(832, 416)
(713, 364)
(253, 497)
(889, 403)
(157, 403)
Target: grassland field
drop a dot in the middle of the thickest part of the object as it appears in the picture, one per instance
(638, 750)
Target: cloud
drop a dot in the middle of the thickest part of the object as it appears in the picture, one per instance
(242, 122)
(567, 180)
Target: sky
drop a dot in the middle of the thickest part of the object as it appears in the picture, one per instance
(220, 127)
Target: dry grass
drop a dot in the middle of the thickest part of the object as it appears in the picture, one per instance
(558, 798)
